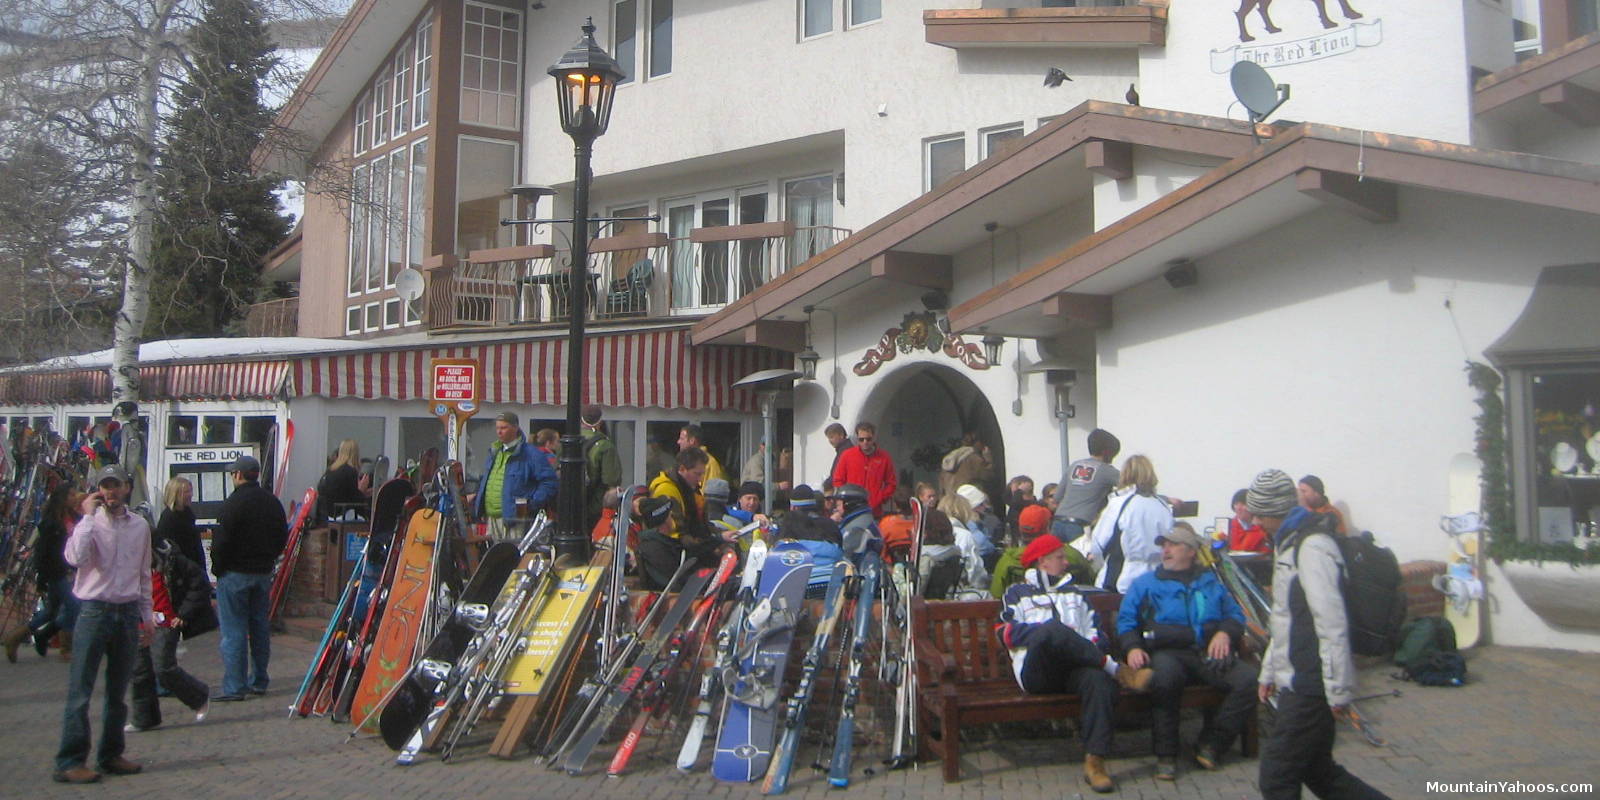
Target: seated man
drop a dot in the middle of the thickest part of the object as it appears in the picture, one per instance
(1180, 621)
(1050, 631)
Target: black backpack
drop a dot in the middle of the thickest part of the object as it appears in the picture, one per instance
(1374, 603)
(1427, 653)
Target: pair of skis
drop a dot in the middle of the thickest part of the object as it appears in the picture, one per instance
(744, 601)
(902, 672)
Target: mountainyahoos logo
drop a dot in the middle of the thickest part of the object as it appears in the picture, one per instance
(1333, 41)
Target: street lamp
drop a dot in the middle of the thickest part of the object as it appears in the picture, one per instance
(586, 81)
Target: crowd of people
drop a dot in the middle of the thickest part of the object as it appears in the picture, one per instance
(116, 593)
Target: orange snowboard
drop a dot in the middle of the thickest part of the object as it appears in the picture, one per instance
(396, 642)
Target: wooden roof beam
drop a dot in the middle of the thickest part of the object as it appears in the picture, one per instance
(1078, 311)
(1371, 200)
(1574, 102)
(925, 270)
(789, 337)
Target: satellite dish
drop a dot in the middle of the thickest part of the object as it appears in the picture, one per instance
(1256, 91)
(409, 284)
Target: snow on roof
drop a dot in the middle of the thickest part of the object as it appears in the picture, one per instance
(244, 348)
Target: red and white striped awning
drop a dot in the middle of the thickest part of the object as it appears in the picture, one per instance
(239, 380)
(643, 368)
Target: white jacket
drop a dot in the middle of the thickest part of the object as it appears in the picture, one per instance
(1135, 520)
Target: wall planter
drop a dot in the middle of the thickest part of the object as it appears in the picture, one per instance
(1566, 595)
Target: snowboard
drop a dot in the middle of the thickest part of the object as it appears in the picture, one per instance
(1463, 559)
(283, 458)
(410, 703)
(794, 719)
(549, 643)
(396, 640)
(283, 570)
(390, 507)
(744, 599)
(745, 741)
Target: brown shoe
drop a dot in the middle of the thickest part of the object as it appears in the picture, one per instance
(76, 775)
(1135, 680)
(121, 766)
(1094, 774)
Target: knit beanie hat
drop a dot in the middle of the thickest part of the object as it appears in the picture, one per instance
(751, 487)
(716, 489)
(803, 496)
(655, 511)
(1039, 548)
(1271, 494)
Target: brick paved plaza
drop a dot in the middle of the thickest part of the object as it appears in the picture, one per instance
(1528, 715)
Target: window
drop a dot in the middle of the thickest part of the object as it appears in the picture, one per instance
(808, 203)
(423, 82)
(491, 61)
(399, 172)
(816, 18)
(481, 197)
(943, 158)
(352, 320)
(625, 36)
(377, 226)
(402, 89)
(1566, 451)
(367, 431)
(391, 313)
(216, 430)
(864, 11)
(994, 139)
(182, 430)
(363, 123)
(660, 37)
(380, 107)
(419, 193)
(373, 317)
(358, 231)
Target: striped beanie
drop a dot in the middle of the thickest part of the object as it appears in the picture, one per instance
(1271, 494)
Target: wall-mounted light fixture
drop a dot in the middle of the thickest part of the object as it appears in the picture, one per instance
(809, 357)
(1181, 274)
(992, 344)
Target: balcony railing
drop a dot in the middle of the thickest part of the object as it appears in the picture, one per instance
(634, 275)
(712, 267)
(273, 318)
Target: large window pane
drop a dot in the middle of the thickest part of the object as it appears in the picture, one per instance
(399, 171)
(625, 35)
(402, 89)
(808, 203)
(862, 11)
(680, 220)
(424, 74)
(660, 37)
(378, 227)
(1566, 453)
(485, 171)
(367, 431)
(944, 159)
(358, 231)
(816, 17)
(363, 123)
(490, 66)
(419, 193)
(380, 108)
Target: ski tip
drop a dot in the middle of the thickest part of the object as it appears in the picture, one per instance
(839, 783)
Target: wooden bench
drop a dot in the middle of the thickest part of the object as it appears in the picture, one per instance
(964, 678)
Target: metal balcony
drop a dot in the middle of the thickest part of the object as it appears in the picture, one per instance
(273, 318)
(712, 267)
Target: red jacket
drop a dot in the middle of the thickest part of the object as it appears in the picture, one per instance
(1252, 539)
(875, 473)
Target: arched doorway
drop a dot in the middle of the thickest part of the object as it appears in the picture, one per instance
(921, 410)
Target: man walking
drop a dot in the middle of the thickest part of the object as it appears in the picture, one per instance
(517, 481)
(111, 549)
(250, 535)
(1307, 665)
(603, 468)
(867, 466)
(1085, 487)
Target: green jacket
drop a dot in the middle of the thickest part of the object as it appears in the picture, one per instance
(603, 468)
(1009, 570)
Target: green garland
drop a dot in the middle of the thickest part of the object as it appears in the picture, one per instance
(1496, 484)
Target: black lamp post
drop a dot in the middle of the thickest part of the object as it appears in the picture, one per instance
(586, 81)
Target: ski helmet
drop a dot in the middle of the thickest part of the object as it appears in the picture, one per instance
(853, 495)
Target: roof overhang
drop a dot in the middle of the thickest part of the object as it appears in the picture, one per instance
(360, 43)
(1564, 82)
(1047, 168)
(1296, 172)
(283, 263)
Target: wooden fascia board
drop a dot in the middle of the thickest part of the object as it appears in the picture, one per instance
(789, 337)
(1089, 120)
(1529, 77)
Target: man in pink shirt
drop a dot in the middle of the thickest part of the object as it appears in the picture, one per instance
(867, 466)
(111, 549)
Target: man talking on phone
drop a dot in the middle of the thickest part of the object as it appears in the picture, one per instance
(111, 549)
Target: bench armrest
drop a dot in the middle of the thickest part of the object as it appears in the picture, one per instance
(937, 664)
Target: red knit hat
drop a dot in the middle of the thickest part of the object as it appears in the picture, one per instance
(1039, 548)
(1034, 519)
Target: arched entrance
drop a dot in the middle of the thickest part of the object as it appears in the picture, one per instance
(921, 410)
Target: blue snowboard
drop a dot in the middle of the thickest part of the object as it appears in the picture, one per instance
(745, 741)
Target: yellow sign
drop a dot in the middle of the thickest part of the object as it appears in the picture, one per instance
(549, 639)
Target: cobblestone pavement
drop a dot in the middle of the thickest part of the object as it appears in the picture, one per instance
(1527, 715)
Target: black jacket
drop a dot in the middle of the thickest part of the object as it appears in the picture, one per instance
(251, 532)
(188, 589)
(49, 560)
(177, 526)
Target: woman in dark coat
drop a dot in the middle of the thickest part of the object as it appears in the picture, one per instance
(58, 609)
(177, 521)
(181, 597)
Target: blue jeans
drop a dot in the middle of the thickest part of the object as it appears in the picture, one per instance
(1065, 530)
(242, 614)
(109, 630)
(57, 611)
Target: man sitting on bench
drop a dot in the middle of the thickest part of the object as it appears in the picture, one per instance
(1181, 621)
(1051, 633)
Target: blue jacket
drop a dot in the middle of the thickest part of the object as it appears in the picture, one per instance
(1162, 611)
(528, 474)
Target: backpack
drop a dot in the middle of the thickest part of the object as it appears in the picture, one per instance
(1427, 653)
(1374, 604)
